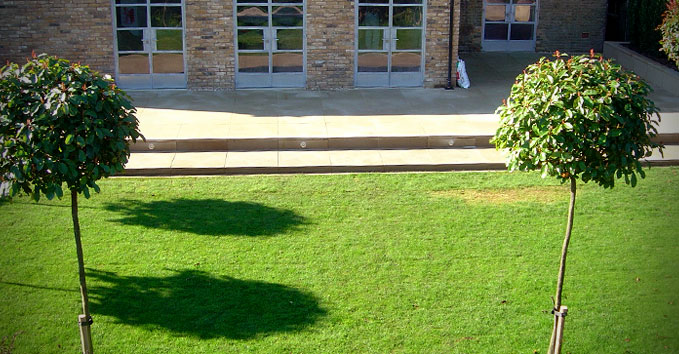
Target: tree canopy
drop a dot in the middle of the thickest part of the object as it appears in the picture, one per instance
(579, 116)
(61, 122)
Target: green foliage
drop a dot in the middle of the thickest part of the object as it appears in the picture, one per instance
(644, 18)
(670, 31)
(61, 123)
(580, 116)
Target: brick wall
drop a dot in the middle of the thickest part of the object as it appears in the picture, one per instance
(436, 62)
(210, 55)
(561, 24)
(471, 25)
(330, 44)
(80, 31)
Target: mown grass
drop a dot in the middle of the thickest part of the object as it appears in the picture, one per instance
(389, 263)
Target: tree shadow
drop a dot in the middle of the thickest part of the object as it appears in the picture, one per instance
(194, 303)
(38, 287)
(207, 216)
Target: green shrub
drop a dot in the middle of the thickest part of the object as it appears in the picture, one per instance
(578, 116)
(61, 123)
(670, 32)
(644, 18)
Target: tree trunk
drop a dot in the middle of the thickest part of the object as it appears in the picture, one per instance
(85, 320)
(562, 267)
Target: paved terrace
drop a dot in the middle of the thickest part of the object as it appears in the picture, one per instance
(292, 131)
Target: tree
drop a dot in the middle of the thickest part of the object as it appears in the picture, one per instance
(63, 123)
(670, 32)
(573, 118)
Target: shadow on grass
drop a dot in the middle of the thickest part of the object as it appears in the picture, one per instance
(194, 303)
(40, 287)
(207, 216)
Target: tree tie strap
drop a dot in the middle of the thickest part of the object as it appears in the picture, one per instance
(556, 313)
(85, 321)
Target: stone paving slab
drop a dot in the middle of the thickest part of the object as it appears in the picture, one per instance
(272, 162)
(296, 131)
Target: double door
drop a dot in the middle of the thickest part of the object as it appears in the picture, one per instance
(149, 43)
(270, 43)
(509, 25)
(389, 43)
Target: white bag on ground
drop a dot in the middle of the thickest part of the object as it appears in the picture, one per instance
(462, 77)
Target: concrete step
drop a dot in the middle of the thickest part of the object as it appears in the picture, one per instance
(312, 143)
(329, 161)
(330, 143)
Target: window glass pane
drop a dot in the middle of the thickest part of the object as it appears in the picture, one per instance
(498, 31)
(131, 16)
(524, 1)
(289, 1)
(253, 62)
(524, 13)
(407, 1)
(289, 39)
(250, 39)
(166, 1)
(522, 32)
(496, 12)
(130, 40)
(133, 64)
(287, 16)
(406, 62)
(252, 1)
(168, 63)
(374, 1)
(497, 1)
(372, 62)
(253, 16)
(371, 39)
(408, 39)
(288, 62)
(408, 16)
(130, 1)
(373, 16)
(169, 40)
(166, 16)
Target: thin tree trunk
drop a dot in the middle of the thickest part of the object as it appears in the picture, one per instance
(85, 319)
(562, 266)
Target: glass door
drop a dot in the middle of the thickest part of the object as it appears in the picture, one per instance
(149, 44)
(270, 45)
(509, 25)
(389, 43)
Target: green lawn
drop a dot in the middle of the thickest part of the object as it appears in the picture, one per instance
(388, 263)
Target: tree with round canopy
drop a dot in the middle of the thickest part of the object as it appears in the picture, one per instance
(577, 118)
(62, 123)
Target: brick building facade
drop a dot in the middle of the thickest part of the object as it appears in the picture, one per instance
(568, 26)
(317, 44)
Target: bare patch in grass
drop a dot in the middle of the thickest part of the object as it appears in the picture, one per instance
(543, 194)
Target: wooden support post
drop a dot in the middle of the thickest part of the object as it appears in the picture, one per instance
(85, 333)
(563, 311)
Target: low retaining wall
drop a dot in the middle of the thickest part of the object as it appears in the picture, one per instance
(657, 75)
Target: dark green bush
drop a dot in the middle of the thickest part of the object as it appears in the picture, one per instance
(60, 123)
(644, 18)
(578, 117)
(670, 32)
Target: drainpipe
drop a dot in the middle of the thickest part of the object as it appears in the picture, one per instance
(450, 85)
